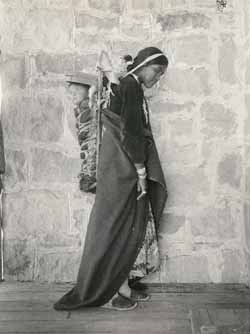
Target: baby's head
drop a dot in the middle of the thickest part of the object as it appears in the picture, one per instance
(79, 92)
(82, 87)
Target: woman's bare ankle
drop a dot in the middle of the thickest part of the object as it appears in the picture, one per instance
(125, 289)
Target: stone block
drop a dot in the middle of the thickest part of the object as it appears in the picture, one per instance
(166, 107)
(16, 172)
(247, 120)
(217, 120)
(136, 27)
(80, 220)
(70, 263)
(122, 47)
(205, 4)
(247, 153)
(41, 216)
(217, 222)
(247, 76)
(157, 124)
(188, 189)
(12, 3)
(146, 4)
(178, 81)
(112, 6)
(61, 64)
(9, 14)
(47, 118)
(186, 269)
(227, 58)
(229, 170)
(80, 209)
(95, 24)
(51, 83)
(209, 329)
(190, 50)
(171, 223)
(53, 167)
(14, 73)
(181, 128)
(19, 259)
(228, 19)
(63, 240)
(180, 153)
(247, 225)
(34, 3)
(16, 113)
(246, 18)
(86, 62)
(211, 246)
(175, 3)
(57, 266)
(247, 180)
(59, 3)
(247, 257)
(80, 4)
(208, 151)
(78, 228)
(47, 30)
(70, 128)
(183, 20)
(48, 267)
(91, 43)
(80, 200)
(233, 267)
(175, 245)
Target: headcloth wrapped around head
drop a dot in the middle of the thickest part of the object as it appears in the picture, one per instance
(147, 56)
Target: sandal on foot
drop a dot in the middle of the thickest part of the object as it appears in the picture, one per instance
(121, 303)
(137, 296)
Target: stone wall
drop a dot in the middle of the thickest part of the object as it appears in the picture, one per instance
(200, 116)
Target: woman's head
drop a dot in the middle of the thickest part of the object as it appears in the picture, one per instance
(149, 65)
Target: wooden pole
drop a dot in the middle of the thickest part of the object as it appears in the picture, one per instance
(99, 114)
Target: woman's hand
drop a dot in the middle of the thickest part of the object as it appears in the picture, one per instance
(141, 187)
(142, 180)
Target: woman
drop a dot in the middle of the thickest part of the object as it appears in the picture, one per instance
(130, 182)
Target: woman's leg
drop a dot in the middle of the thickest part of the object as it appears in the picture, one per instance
(121, 300)
(125, 289)
(136, 295)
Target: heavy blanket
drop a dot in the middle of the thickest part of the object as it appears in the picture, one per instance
(118, 221)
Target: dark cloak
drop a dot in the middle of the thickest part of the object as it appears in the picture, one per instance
(118, 221)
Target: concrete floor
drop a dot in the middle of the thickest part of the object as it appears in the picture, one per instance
(173, 309)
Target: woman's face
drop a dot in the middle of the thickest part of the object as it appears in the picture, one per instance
(149, 75)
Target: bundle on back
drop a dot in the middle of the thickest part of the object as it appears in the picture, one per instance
(87, 137)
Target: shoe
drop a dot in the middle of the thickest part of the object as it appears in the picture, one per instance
(121, 303)
(134, 283)
(137, 296)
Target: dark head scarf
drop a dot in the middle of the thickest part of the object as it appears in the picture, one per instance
(148, 56)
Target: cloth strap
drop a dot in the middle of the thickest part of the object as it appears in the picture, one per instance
(148, 59)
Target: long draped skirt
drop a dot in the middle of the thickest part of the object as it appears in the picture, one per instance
(118, 221)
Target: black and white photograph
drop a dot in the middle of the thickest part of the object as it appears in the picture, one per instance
(125, 166)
